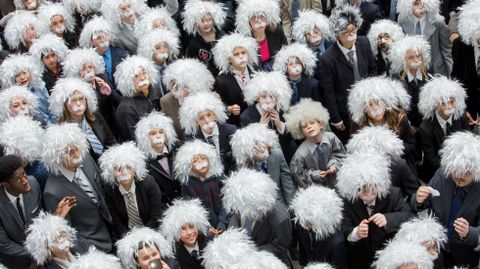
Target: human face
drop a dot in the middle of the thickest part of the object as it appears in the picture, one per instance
(19, 106)
(239, 59)
(146, 255)
(408, 266)
(88, 72)
(418, 9)
(159, 24)
(157, 139)
(178, 90)
(312, 128)
(77, 104)
(30, 4)
(384, 42)
(57, 25)
(189, 235)
(206, 120)
(72, 158)
(127, 13)
(50, 60)
(348, 37)
(431, 248)
(61, 244)
(367, 195)
(464, 178)
(258, 23)
(205, 25)
(375, 111)
(29, 35)
(261, 152)
(314, 37)
(267, 101)
(200, 165)
(447, 109)
(23, 79)
(124, 175)
(294, 68)
(414, 59)
(17, 183)
(141, 81)
(160, 53)
(101, 43)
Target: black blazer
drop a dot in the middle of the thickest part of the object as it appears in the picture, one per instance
(402, 177)
(103, 133)
(169, 187)
(129, 112)
(308, 88)
(185, 260)
(50, 79)
(118, 54)
(276, 40)
(107, 105)
(370, 12)
(413, 89)
(331, 249)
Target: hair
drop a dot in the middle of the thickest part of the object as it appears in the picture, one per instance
(195, 10)
(17, 63)
(305, 23)
(63, 91)
(8, 94)
(377, 138)
(224, 47)
(318, 266)
(469, 22)
(399, 52)
(404, 10)
(460, 152)
(127, 70)
(45, 44)
(249, 8)
(94, 259)
(273, 82)
(306, 56)
(22, 136)
(145, 24)
(190, 73)
(343, 16)
(111, 9)
(17, 25)
(196, 103)
(384, 26)
(149, 122)
(149, 40)
(88, 6)
(306, 109)
(423, 229)
(126, 154)
(8, 165)
(48, 10)
(399, 252)
(93, 28)
(77, 58)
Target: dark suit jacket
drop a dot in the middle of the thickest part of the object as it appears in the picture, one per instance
(129, 112)
(279, 171)
(276, 39)
(169, 187)
(403, 177)
(413, 89)
(185, 259)
(118, 54)
(102, 131)
(50, 79)
(308, 88)
(370, 12)
(107, 105)
(331, 249)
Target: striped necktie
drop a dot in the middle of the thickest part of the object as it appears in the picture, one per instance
(134, 219)
(85, 187)
(92, 138)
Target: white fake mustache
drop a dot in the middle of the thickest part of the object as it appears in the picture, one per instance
(420, 11)
(449, 112)
(377, 112)
(88, 76)
(158, 141)
(260, 25)
(352, 38)
(60, 30)
(142, 83)
(24, 112)
(267, 106)
(124, 177)
(161, 56)
(208, 126)
(78, 108)
(297, 69)
(240, 60)
(369, 199)
(104, 45)
(262, 156)
(415, 65)
(32, 6)
(78, 160)
(64, 245)
(128, 14)
(200, 166)
(316, 39)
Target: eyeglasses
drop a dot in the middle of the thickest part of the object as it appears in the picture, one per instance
(350, 32)
(78, 99)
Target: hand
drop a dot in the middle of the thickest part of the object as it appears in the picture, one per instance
(164, 265)
(33, 265)
(275, 117)
(461, 226)
(379, 220)
(332, 170)
(471, 121)
(215, 231)
(362, 229)
(453, 37)
(323, 174)
(234, 109)
(340, 127)
(413, 130)
(265, 118)
(104, 87)
(65, 205)
(422, 193)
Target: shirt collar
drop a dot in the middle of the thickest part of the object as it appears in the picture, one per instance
(344, 50)
(65, 263)
(191, 249)
(123, 191)
(13, 199)
(312, 146)
(66, 173)
(442, 122)
(214, 132)
(418, 76)
(165, 151)
(240, 74)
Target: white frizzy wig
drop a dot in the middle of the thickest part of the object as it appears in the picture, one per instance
(343, 16)
(260, 260)
(300, 51)
(17, 25)
(318, 266)
(23, 137)
(57, 138)
(190, 73)
(195, 10)
(183, 212)
(130, 67)
(41, 235)
(95, 259)
(399, 252)
(147, 43)
(469, 22)
(364, 169)
(224, 47)
(439, 90)
(149, 122)
(19, 4)
(244, 141)
(404, 10)
(86, 6)
(461, 153)
(385, 90)
(250, 8)
(324, 215)
(399, 51)
(145, 24)
(305, 23)
(45, 44)
(423, 230)
(377, 138)
(65, 88)
(128, 246)
(48, 10)
(111, 9)
(384, 26)
(8, 94)
(183, 160)
(121, 156)
(306, 109)
(17, 63)
(199, 102)
(249, 193)
(273, 82)
(77, 58)
(92, 29)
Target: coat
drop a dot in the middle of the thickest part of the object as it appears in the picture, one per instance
(104, 134)
(170, 107)
(169, 186)
(185, 259)
(286, 13)
(307, 88)
(129, 112)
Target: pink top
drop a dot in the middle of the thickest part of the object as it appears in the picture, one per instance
(264, 51)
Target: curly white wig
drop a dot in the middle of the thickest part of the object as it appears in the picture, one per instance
(469, 22)
(130, 67)
(224, 47)
(461, 153)
(342, 17)
(441, 89)
(199, 102)
(152, 15)
(304, 54)
(86, 6)
(398, 52)
(46, 44)
(423, 229)
(183, 160)
(244, 141)
(248, 9)
(121, 156)
(260, 260)
(8, 94)
(41, 235)
(377, 138)
(95, 259)
(23, 137)
(318, 266)
(399, 252)
(92, 29)
(305, 110)
(48, 10)
(183, 212)
(17, 63)
(77, 58)
(404, 10)
(249, 193)
(324, 215)
(307, 21)
(190, 73)
(57, 139)
(63, 91)
(111, 9)
(19, 4)
(128, 246)
(384, 26)
(364, 169)
(272, 82)
(385, 90)
(149, 122)
(147, 43)
(19, 24)
(195, 10)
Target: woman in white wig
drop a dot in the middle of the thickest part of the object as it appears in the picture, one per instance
(313, 29)
(298, 63)
(319, 225)
(382, 36)
(58, 20)
(236, 58)
(20, 31)
(373, 208)
(144, 248)
(29, 5)
(400, 254)
(94, 259)
(185, 225)
(156, 138)
(132, 196)
(17, 101)
(74, 100)
(156, 18)
(261, 20)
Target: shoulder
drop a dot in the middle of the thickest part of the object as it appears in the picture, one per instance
(228, 128)
(118, 51)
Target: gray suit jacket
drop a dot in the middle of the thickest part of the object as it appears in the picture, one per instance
(89, 219)
(12, 229)
(280, 173)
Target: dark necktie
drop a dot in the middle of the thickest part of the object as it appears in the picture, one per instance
(324, 7)
(210, 140)
(161, 156)
(295, 96)
(351, 59)
(194, 254)
(248, 225)
(456, 204)
(20, 210)
(448, 128)
(418, 28)
(322, 157)
(478, 64)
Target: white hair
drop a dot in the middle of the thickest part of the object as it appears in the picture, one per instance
(128, 246)
(63, 91)
(377, 138)
(272, 82)
(57, 139)
(17, 63)
(130, 67)
(77, 58)
(384, 26)
(45, 44)
(439, 90)
(23, 137)
(95, 259)
(121, 156)
(249, 193)
(318, 266)
(145, 24)
(364, 169)
(343, 16)
(460, 152)
(41, 235)
(306, 109)
(398, 52)
(305, 23)
(148, 41)
(19, 4)
(200, 102)
(251, 8)
(224, 47)
(111, 9)
(244, 141)
(399, 252)
(469, 22)
(146, 124)
(405, 14)
(86, 6)
(423, 229)
(8, 94)
(93, 28)
(195, 10)
(48, 10)
(304, 54)
(17, 25)
(190, 73)
(261, 259)
(182, 164)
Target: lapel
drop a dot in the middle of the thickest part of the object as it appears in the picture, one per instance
(407, 27)
(10, 207)
(360, 209)
(73, 187)
(89, 170)
(222, 139)
(437, 130)
(341, 56)
(141, 195)
(448, 196)
(380, 206)
(157, 167)
(28, 204)
(472, 194)
(428, 29)
(258, 229)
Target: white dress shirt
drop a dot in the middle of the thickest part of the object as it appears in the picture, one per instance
(13, 200)
(443, 123)
(418, 76)
(215, 135)
(423, 21)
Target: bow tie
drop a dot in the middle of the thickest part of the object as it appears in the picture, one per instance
(161, 156)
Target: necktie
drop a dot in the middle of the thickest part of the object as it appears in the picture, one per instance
(263, 166)
(163, 161)
(134, 219)
(194, 254)
(210, 140)
(418, 28)
(294, 83)
(478, 65)
(248, 225)
(325, 7)
(351, 59)
(322, 157)
(448, 128)
(85, 187)
(92, 138)
(161, 156)
(295, 9)
(20, 210)
(393, 10)
(456, 204)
